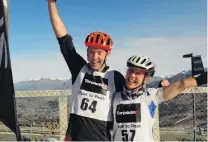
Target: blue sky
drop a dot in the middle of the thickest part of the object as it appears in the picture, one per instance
(162, 29)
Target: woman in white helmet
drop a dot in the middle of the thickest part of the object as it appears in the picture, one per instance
(134, 108)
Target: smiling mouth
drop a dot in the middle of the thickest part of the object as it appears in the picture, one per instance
(95, 62)
(130, 80)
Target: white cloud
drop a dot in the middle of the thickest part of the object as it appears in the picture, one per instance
(166, 52)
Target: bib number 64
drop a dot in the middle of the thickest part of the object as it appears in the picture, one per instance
(85, 104)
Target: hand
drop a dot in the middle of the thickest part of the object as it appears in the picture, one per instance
(165, 83)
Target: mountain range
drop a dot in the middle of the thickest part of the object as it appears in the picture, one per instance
(43, 84)
(65, 84)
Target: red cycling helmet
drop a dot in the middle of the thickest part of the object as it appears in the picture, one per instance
(99, 40)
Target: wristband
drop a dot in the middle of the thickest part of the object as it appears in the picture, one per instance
(201, 79)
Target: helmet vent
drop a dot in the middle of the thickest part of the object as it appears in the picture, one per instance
(87, 38)
(143, 61)
(91, 40)
(133, 58)
(137, 60)
(97, 38)
(149, 63)
(108, 42)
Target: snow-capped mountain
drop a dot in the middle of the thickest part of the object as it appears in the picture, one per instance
(43, 84)
(59, 84)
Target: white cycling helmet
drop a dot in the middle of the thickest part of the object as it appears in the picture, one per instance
(143, 62)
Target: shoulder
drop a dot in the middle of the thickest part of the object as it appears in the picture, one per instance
(154, 93)
(154, 90)
(119, 81)
(116, 96)
(115, 74)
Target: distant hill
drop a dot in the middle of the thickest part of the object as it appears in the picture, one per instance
(58, 84)
(43, 84)
(51, 84)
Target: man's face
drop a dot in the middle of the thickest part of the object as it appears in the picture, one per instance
(96, 58)
(134, 77)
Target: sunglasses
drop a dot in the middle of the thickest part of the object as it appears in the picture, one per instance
(136, 71)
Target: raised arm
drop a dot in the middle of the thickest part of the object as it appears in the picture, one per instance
(57, 24)
(174, 89)
(74, 61)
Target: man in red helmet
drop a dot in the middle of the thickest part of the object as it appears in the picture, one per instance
(93, 83)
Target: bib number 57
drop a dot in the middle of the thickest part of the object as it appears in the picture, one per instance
(128, 135)
(85, 104)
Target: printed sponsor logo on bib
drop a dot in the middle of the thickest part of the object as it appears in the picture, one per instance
(95, 84)
(128, 113)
